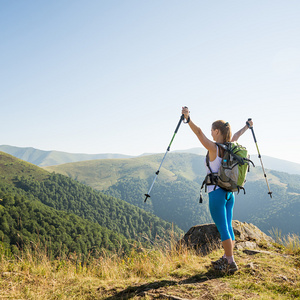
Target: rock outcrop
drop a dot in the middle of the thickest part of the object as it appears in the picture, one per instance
(206, 238)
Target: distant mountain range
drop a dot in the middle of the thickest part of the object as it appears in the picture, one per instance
(43, 158)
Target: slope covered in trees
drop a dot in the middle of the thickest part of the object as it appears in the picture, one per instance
(52, 210)
(175, 195)
(26, 222)
(63, 193)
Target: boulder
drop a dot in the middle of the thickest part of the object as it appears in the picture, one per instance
(206, 238)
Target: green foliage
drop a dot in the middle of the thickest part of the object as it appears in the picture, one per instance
(27, 223)
(172, 201)
(281, 211)
(63, 193)
(63, 216)
(175, 195)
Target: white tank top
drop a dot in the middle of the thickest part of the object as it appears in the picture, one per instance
(214, 165)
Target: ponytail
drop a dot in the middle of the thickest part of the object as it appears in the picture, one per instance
(224, 128)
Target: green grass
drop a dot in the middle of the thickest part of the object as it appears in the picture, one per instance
(103, 173)
(10, 166)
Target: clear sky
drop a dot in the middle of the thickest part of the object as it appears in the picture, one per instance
(111, 76)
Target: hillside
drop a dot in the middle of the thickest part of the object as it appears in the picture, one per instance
(277, 164)
(26, 222)
(175, 194)
(40, 207)
(50, 158)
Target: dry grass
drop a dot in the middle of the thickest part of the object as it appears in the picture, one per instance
(34, 276)
(152, 274)
(289, 243)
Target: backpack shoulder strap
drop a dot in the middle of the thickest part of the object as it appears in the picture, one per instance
(207, 162)
(224, 146)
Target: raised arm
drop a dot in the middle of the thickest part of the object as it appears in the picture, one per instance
(237, 135)
(207, 143)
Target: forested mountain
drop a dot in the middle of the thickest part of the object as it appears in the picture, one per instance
(26, 222)
(37, 207)
(175, 195)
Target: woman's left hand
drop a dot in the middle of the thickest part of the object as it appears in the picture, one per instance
(185, 112)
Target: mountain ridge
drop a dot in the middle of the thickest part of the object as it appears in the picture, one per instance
(43, 158)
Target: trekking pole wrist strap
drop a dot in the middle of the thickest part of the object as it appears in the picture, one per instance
(187, 120)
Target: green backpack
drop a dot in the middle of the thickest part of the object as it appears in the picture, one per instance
(233, 170)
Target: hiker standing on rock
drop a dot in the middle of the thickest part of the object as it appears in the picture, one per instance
(221, 202)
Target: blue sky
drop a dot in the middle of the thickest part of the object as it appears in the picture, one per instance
(112, 76)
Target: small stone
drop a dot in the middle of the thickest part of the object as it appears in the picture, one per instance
(250, 266)
(282, 277)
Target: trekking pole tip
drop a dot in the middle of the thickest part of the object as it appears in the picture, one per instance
(147, 196)
(270, 193)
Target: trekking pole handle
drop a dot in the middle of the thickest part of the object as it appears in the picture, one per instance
(179, 123)
(251, 127)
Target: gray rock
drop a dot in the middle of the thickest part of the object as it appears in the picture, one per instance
(246, 245)
(206, 238)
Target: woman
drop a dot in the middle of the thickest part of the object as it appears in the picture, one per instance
(220, 201)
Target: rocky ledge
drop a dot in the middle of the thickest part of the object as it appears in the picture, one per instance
(206, 238)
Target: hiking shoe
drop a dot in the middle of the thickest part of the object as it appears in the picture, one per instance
(231, 268)
(224, 266)
(218, 262)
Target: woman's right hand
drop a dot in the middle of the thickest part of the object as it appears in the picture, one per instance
(185, 112)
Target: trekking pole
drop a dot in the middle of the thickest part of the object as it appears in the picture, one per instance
(259, 156)
(168, 149)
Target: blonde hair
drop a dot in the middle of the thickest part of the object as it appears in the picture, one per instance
(224, 128)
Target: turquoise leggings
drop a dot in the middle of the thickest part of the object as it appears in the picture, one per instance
(221, 209)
